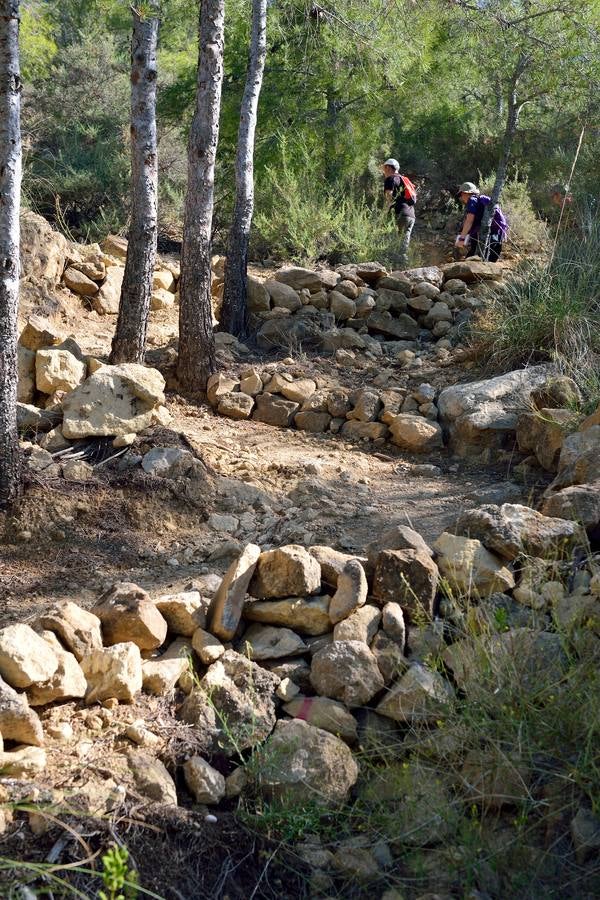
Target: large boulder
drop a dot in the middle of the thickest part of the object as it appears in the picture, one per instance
(128, 614)
(57, 370)
(510, 530)
(415, 433)
(115, 400)
(306, 764)
(241, 694)
(543, 433)
(113, 672)
(79, 630)
(306, 615)
(484, 414)
(25, 657)
(68, 681)
(106, 301)
(299, 278)
(346, 671)
(282, 295)
(226, 607)
(469, 567)
(43, 250)
(408, 577)
(288, 571)
(470, 270)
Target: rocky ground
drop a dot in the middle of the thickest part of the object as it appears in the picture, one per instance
(241, 743)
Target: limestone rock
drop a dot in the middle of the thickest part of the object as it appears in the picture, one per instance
(183, 612)
(57, 370)
(306, 763)
(163, 280)
(267, 642)
(346, 671)
(351, 591)
(288, 571)
(161, 299)
(78, 629)
(128, 614)
(23, 762)
(366, 407)
(510, 530)
(389, 656)
(208, 648)
(38, 333)
(30, 419)
(580, 503)
(235, 405)
(407, 577)
(115, 245)
(106, 301)
(228, 602)
(218, 385)
(68, 681)
(471, 568)
(314, 422)
(79, 283)
(398, 328)
(299, 278)
(321, 712)
(341, 306)
(242, 696)
(306, 615)
(543, 433)
(17, 721)
(43, 250)
(251, 384)
(298, 391)
(398, 537)
(115, 400)
(170, 462)
(359, 431)
(274, 411)
(113, 672)
(152, 778)
(25, 657)
(418, 697)
(258, 296)
(361, 625)
(470, 270)
(161, 674)
(392, 621)
(332, 562)
(485, 413)
(205, 783)
(415, 434)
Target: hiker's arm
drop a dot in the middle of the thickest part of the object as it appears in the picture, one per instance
(467, 224)
(388, 198)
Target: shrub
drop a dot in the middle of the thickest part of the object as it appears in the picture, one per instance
(551, 311)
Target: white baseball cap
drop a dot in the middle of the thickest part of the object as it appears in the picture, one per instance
(467, 187)
(393, 163)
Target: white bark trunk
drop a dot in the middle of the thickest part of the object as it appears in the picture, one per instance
(10, 198)
(197, 358)
(234, 313)
(129, 342)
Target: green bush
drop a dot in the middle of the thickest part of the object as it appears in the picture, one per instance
(551, 311)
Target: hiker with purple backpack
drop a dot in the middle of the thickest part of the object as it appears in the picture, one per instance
(469, 239)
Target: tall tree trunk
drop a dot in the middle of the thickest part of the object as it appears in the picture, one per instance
(129, 342)
(197, 357)
(10, 198)
(513, 113)
(234, 312)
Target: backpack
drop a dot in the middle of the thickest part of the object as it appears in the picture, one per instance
(499, 225)
(407, 192)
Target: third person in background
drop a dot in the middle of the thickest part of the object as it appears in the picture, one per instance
(469, 238)
(400, 196)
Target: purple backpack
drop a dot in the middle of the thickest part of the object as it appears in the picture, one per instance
(499, 229)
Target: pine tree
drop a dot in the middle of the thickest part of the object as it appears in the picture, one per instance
(10, 196)
(129, 342)
(197, 357)
(234, 312)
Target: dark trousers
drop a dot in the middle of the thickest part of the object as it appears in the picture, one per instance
(476, 248)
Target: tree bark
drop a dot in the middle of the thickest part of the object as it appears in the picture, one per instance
(10, 198)
(197, 357)
(129, 342)
(513, 113)
(234, 312)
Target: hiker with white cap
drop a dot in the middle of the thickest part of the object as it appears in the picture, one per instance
(468, 240)
(400, 196)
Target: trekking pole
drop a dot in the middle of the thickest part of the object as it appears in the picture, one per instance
(564, 202)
